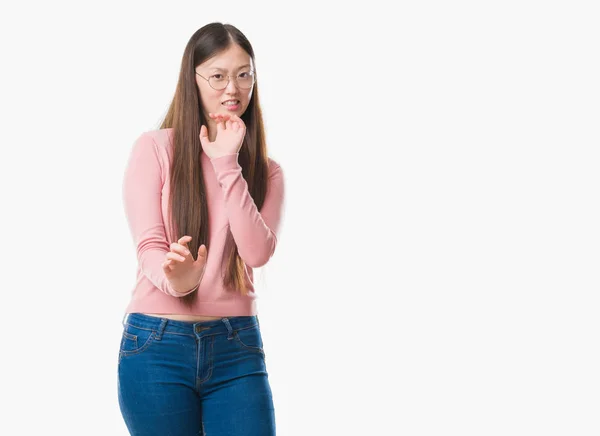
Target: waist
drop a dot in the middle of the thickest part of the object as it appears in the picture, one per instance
(192, 318)
(222, 325)
(217, 303)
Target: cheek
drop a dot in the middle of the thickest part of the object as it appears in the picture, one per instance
(247, 99)
(210, 102)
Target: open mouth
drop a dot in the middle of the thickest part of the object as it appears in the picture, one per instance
(231, 104)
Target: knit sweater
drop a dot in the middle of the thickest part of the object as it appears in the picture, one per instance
(230, 207)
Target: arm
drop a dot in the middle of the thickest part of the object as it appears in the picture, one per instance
(142, 185)
(254, 232)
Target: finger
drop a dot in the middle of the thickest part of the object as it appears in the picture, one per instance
(184, 239)
(179, 249)
(167, 267)
(240, 123)
(176, 257)
(186, 249)
(202, 252)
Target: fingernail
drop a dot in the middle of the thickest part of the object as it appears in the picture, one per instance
(187, 252)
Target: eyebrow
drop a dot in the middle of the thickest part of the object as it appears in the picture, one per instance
(223, 69)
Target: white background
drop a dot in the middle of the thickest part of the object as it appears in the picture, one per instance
(437, 270)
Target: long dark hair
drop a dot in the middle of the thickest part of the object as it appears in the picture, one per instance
(188, 207)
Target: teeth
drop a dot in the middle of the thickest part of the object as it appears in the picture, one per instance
(231, 103)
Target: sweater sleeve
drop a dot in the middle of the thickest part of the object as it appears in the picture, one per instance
(142, 186)
(255, 233)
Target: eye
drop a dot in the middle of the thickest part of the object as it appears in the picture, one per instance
(215, 76)
(242, 74)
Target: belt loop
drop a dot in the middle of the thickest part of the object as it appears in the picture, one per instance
(229, 329)
(161, 328)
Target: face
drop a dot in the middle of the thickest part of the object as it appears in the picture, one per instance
(234, 62)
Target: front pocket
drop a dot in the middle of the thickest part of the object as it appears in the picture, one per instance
(128, 342)
(135, 339)
(250, 339)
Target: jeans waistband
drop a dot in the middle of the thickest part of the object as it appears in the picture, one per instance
(224, 325)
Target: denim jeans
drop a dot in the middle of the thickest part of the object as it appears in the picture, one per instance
(204, 378)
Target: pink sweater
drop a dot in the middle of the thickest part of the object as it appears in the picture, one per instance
(230, 206)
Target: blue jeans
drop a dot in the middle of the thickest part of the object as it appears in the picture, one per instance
(194, 378)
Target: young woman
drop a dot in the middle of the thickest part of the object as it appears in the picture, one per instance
(204, 204)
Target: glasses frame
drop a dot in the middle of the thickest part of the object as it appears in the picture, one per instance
(229, 80)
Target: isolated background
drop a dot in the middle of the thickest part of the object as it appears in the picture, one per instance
(437, 270)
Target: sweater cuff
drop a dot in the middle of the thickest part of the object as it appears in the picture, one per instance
(226, 162)
(174, 293)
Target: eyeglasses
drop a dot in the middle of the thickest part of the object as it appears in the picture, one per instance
(244, 80)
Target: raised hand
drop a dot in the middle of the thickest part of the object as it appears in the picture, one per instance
(230, 135)
(182, 271)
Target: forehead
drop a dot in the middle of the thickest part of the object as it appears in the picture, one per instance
(231, 59)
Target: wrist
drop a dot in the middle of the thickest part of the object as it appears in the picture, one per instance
(225, 162)
(231, 155)
(177, 293)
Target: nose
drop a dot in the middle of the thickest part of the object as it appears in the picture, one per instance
(232, 85)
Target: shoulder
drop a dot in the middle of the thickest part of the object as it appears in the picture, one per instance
(274, 167)
(276, 176)
(160, 138)
(156, 143)
(151, 151)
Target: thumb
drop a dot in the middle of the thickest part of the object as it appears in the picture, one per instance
(203, 135)
(201, 254)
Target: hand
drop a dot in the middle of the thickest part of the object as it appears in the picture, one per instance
(182, 271)
(230, 136)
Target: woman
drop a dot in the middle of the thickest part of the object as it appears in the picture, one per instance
(204, 204)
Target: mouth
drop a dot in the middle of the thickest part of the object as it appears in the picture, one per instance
(231, 104)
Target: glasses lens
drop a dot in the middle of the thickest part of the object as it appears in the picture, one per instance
(218, 82)
(244, 80)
